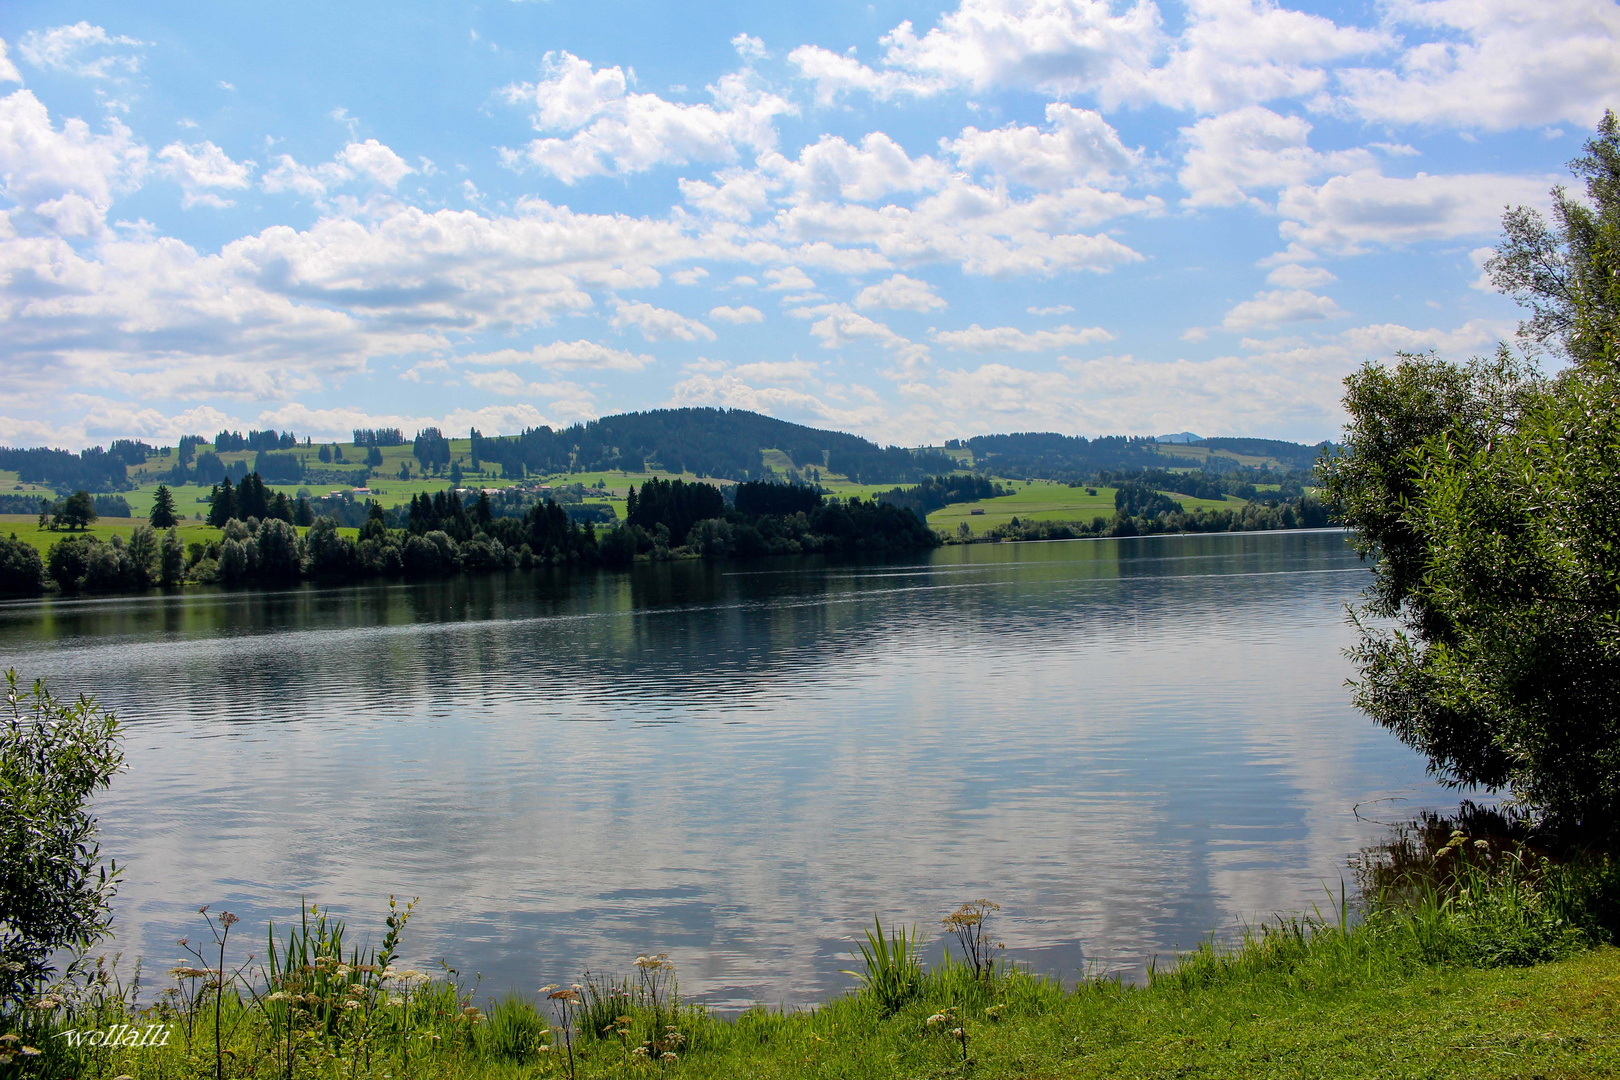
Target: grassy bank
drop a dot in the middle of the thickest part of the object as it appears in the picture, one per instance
(1484, 961)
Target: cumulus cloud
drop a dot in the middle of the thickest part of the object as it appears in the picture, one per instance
(743, 314)
(615, 131)
(660, 324)
(835, 75)
(900, 293)
(843, 408)
(787, 279)
(81, 49)
(38, 162)
(8, 70)
(749, 47)
(1252, 149)
(1494, 64)
(1230, 53)
(1080, 145)
(511, 384)
(369, 160)
(978, 338)
(564, 356)
(837, 326)
(1362, 209)
(1279, 306)
(1296, 276)
(1055, 309)
(201, 168)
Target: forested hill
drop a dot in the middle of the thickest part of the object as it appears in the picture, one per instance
(1050, 456)
(724, 443)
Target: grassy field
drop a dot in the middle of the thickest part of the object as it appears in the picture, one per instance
(1316, 1016)
(1039, 500)
(27, 528)
(1031, 500)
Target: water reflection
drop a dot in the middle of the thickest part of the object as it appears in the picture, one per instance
(1127, 743)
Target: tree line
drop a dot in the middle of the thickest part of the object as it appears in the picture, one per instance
(442, 534)
(1149, 513)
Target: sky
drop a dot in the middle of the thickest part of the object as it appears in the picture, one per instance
(910, 221)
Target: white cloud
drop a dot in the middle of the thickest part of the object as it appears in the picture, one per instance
(1231, 53)
(617, 132)
(744, 314)
(8, 70)
(1055, 309)
(900, 293)
(749, 47)
(836, 75)
(80, 49)
(729, 391)
(978, 338)
(1254, 148)
(565, 356)
(740, 194)
(1081, 146)
(837, 326)
(693, 276)
(1052, 46)
(511, 384)
(201, 167)
(776, 371)
(788, 278)
(831, 170)
(659, 324)
(38, 163)
(1242, 52)
(1353, 212)
(370, 159)
(1280, 306)
(1295, 276)
(1495, 64)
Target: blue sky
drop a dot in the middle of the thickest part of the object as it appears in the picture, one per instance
(910, 221)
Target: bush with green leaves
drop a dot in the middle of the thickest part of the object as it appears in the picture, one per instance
(54, 891)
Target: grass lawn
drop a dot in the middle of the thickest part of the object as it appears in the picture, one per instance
(1040, 500)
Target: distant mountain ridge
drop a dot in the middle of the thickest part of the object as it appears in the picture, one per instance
(729, 444)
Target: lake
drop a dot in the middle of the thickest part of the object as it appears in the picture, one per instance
(1129, 744)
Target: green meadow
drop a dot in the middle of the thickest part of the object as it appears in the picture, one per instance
(1040, 500)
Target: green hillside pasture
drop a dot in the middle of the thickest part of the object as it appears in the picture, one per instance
(1042, 501)
(26, 527)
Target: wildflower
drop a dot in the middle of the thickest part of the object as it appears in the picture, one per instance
(29, 1051)
(665, 1056)
(640, 1051)
(10, 1036)
(351, 1004)
(994, 1012)
(227, 919)
(1481, 845)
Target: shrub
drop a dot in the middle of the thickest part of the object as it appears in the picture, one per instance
(54, 894)
(22, 571)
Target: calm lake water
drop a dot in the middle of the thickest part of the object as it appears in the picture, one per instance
(1129, 744)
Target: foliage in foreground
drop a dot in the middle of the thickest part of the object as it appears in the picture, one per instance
(1407, 971)
(54, 894)
(1491, 637)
